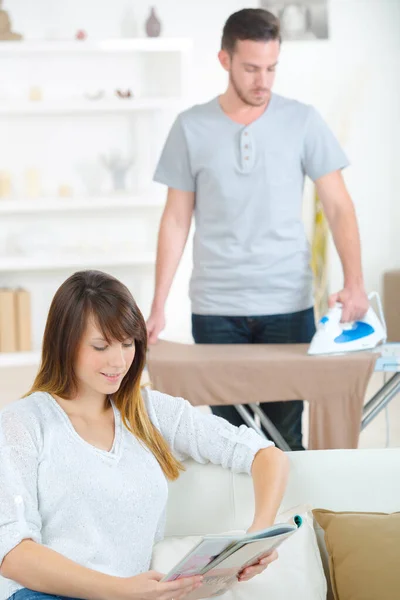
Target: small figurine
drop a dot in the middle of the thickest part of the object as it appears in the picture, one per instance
(33, 187)
(5, 184)
(124, 93)
(35, 93)
(81, 34)
(65, 190)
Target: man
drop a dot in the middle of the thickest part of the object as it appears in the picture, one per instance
(238, 163)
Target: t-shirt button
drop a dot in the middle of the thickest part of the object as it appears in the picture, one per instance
(245, 133)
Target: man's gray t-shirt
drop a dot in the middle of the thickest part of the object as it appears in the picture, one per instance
(250, 253)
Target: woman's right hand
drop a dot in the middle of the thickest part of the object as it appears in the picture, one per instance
(148, 586)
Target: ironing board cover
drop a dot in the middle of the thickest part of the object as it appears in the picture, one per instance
(207, 374)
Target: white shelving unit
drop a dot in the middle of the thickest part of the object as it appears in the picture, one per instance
(59, 205)
(86, 106)
(119, 46)
(67, 127)
(51, 263)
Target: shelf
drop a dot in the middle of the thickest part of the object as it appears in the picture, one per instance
(19, 359)
(57, 204)
(84, 105)
(21, 264)
(32, 359)
(117, 45)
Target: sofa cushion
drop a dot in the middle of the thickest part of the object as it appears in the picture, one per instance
(364, 554)
(297, 573)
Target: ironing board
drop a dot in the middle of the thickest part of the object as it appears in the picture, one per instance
(250, 374)
(388, 362)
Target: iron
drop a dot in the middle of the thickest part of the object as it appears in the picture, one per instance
(334, 337)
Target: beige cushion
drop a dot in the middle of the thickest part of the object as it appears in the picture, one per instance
(364, 554)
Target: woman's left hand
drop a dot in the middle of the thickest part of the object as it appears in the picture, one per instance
(259, 567)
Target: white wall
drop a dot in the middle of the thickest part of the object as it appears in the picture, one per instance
(353, 79)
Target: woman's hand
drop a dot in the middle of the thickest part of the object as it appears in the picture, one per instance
(259, 567)
(148, 586)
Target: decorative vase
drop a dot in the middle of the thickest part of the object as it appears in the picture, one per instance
(153, 24)
(6, 33)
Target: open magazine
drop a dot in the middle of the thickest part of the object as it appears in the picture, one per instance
(220, 558)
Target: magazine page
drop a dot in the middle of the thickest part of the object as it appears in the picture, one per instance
(201, 555)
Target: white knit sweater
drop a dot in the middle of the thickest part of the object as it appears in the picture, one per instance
(104, 510)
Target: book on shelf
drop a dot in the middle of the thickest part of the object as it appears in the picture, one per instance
(23, 320)
(15, 320)
(8, 334)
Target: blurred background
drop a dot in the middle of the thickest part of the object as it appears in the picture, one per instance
(88, 91)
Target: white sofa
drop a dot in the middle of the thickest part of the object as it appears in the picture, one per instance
(209, 499)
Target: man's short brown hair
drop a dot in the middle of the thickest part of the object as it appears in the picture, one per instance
(254, 24)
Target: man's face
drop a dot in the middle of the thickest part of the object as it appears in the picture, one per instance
(252, 69)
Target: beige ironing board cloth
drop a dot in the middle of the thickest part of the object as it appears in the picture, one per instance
(212, 374)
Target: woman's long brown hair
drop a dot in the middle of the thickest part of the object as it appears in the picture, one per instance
(93, 294)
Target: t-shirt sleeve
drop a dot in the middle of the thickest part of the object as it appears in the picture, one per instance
(203, 437)
(19, 513)
(322, 153)
(173, 167)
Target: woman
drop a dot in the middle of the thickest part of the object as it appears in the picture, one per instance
(85, 458)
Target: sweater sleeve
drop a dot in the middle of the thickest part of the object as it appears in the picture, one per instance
(203, 437)
(19, 513)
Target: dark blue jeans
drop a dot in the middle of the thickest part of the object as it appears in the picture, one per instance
(26, 594)
(292, 328)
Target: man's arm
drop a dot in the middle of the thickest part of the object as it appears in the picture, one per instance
(340, 213)
(172, 237)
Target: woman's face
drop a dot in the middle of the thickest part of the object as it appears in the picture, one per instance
(100, 366)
